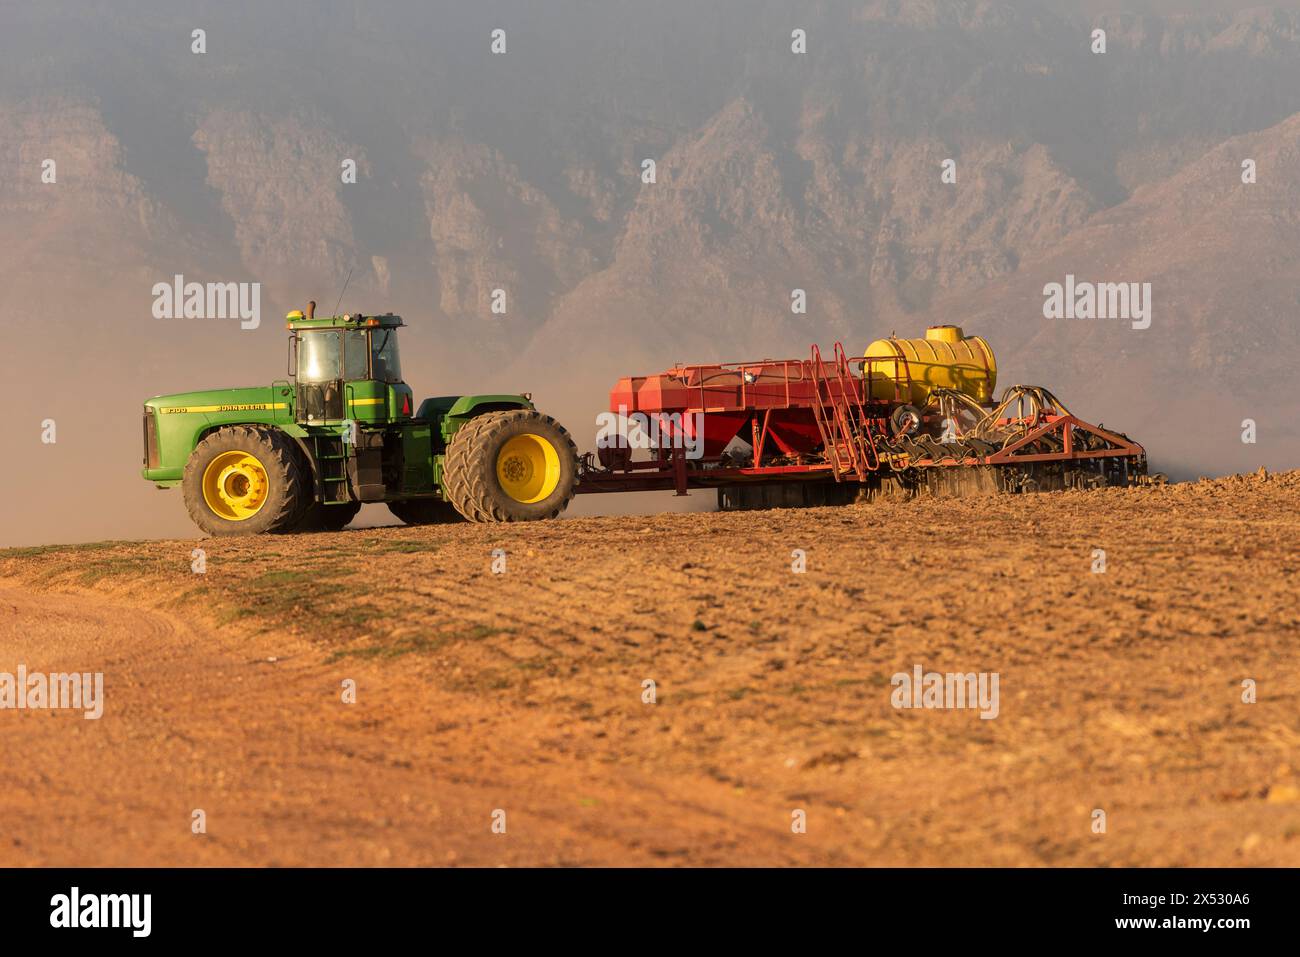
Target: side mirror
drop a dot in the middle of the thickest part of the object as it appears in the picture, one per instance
(293, 354)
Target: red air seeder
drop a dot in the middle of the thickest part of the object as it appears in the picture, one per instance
(813, 431)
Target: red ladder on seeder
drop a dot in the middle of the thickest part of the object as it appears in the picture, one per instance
(841, 416)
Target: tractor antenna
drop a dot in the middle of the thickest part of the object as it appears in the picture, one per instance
(343, 290)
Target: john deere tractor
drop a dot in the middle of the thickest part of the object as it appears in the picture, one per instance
(306, 452)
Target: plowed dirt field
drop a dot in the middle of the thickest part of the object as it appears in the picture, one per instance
(522, 690)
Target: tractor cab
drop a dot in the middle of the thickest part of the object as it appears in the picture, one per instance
(347, 368)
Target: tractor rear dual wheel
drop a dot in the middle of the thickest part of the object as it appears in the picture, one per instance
(245, 480)
(513, 466)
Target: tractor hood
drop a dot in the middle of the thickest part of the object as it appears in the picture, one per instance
(174, 424)
(215, 401)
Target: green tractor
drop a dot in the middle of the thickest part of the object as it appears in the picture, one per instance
(305, 453)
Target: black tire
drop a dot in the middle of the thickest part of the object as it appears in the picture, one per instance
(288, 481)
(327, 518)
(425, 511)
(470, 469)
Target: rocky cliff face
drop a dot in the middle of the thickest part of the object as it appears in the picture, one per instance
(1221, 259)
(493, 230)
(68, 203)
(280, 179)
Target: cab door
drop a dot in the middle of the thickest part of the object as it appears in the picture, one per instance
(320, 376)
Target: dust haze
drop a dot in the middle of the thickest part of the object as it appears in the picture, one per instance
(522, 171)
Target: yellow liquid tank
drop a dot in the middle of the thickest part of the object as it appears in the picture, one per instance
(945, 358)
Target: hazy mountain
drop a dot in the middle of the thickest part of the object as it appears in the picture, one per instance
(775, 171)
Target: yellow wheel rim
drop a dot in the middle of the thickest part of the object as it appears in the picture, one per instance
(235, 486)
(528, 468)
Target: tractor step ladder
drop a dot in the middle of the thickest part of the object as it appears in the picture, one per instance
(332, 468)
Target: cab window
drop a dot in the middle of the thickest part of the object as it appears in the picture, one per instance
(318, 356)
(388, 367)
(356, 356)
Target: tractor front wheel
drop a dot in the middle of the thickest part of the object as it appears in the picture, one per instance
(512, 466)
(245, 480)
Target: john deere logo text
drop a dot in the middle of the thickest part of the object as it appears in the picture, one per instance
(213, 300)
(254, 407)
